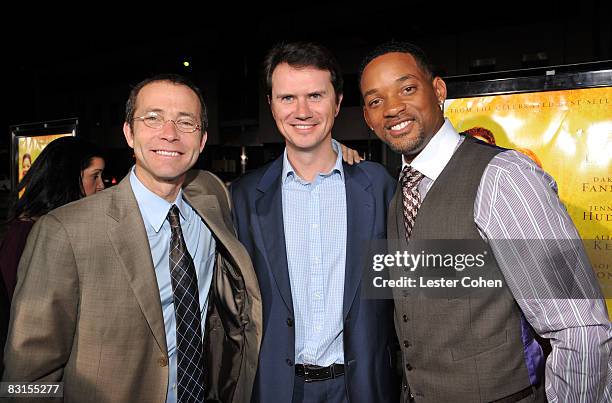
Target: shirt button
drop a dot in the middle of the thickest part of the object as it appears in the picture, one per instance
(405, 318)
(315, 226)
(174, 386)
(162, 361)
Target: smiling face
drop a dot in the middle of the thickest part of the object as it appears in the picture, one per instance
(164, 155)
(401, 102)
(304, 106)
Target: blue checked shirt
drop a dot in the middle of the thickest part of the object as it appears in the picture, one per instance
(314, 216)
(201, 247)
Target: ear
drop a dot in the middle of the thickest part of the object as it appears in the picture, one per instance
(338, 105)
(440, 89)
(365, 116)
(271, 107)
(129, 136)
(203, 141)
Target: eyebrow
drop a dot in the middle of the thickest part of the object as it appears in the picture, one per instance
(398, 80)
(320, 92)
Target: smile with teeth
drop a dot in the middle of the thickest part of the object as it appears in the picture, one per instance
(167, 153)
(304, 127)
(401, 125)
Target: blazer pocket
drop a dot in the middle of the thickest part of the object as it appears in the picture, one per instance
(473, 347)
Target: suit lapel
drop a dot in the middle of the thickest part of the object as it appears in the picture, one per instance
(359, 224)
(129, 239)
(269, 209)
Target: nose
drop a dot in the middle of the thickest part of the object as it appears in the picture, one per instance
(99, 184)
(394, 107)
(303, 109)
(169, 131)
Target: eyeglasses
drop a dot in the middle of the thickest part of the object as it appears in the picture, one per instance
(156, 121)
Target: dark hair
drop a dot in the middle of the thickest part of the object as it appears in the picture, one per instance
(28, 156)
(130, 105)
(299, 55)
(54, 179)
(398, 47)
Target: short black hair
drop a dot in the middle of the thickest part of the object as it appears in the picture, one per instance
(130, 105)
(398, 47)
(303, 54)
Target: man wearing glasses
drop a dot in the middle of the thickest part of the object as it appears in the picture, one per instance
(142, 293)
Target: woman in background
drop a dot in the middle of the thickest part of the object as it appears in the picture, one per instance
(68, 169)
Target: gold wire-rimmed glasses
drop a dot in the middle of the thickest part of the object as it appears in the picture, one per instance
(157, 121)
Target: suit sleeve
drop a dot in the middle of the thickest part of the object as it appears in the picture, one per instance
(232, 192)
(45, 306)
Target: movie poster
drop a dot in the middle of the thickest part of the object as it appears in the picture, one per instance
(569, 134)
(29, 148)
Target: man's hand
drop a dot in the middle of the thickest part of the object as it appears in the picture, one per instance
(351, 156)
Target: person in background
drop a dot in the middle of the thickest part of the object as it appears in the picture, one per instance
(68, 169)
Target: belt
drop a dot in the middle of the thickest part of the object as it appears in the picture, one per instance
(313, 373)
(515, 397)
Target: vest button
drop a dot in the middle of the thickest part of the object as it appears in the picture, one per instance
(405, 318)
(162, 361)
(406, 343)
(289, 322)
(289, 362)
(409, 367)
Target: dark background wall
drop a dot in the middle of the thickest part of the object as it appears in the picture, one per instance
(83, 65)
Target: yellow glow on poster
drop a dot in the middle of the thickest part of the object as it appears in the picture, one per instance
(29, 148)
(569, 133)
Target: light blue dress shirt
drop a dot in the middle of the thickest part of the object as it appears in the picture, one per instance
(314, 217)
(201, 247)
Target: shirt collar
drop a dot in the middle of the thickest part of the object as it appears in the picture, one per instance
(436, 154)
(288, 170)
(154, 209)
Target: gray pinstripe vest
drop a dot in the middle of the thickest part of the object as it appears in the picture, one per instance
(466, 349)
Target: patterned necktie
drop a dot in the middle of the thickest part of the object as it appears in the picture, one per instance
(410, 179)
(190, 362)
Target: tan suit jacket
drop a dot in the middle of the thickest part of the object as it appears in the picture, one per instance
(87, 308)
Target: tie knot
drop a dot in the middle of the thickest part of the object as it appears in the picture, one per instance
(410, 177)
(173, 217)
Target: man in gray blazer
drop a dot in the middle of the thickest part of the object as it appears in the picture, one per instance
(142, 293)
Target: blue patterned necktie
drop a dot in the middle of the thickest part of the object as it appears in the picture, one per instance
(410, 179)
(190, 361)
